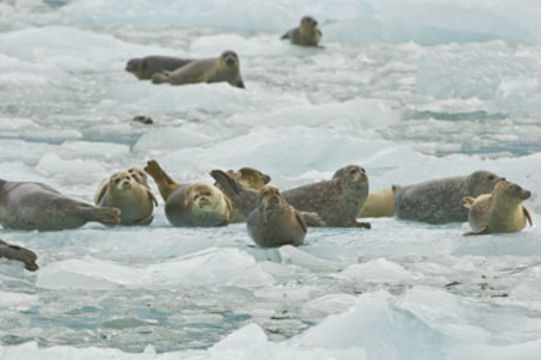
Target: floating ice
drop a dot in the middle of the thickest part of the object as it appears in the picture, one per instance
(210, 267)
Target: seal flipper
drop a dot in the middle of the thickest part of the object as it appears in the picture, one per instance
(107, 216)
(482, 231)
(17, 253)
(301, 221)
(527, 214)
(363, 224)
(313, 219)
(166, 185)
(244, 199)
(287, 35)
(468, 202)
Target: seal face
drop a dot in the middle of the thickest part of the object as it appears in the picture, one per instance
(306, 34)
(129, 192)
(334, 202)
(144, 68)
(197, 205)
(499, 212)
(17, 253)
(439, 201)
(225, 68)
(35, 206)
(274, 222)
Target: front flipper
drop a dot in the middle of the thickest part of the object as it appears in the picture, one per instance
(313, 219)
(527, 214)
(144, 221)
(362, 224)
(481, 231)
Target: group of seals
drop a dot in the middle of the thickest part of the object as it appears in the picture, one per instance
(201, 204)
(334, 202)
(225, 68)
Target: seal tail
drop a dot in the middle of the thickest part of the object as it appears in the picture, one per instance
(166, 185)
(107, 216)
(242, 198)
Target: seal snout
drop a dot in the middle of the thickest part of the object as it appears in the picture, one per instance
(525, 194)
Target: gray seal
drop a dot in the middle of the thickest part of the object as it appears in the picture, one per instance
(35, 206)
(274, 222)
(440, 201)
(306, 34)
(337, 201)
(17, 253)
(144, 68)
(225, 68)
(198, 204)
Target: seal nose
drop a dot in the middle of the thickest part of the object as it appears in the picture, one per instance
(126, 184)
(526, 194)
(230, 61)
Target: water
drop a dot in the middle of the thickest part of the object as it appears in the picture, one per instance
(410, 90)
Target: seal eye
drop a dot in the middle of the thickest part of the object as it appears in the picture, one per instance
(491, 177)
(207, 193)
(353, 171)
(117, 181)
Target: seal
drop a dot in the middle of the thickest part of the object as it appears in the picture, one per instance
(500, 211)
(35, 206)
(306, 34)
(336, 202)
(198, 204)
(138, 174)
(146, 120)
(125, 191)
(440, 201)
(17, 253)
(144, 68)
(249, 177)
(379, 204)
(274, 222)
(226, 68)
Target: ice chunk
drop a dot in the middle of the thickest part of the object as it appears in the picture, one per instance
(210, 267)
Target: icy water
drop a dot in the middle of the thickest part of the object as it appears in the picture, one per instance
(410, 90)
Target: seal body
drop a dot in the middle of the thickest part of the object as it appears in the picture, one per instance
(440, 201)
(225, 68)
(274, 222)
(379, 204)
(144, 68)
(306, 34)
(336, 202)
(197, 205)
(35, 206)
(126, 192)
(499, 212)
(17, 253)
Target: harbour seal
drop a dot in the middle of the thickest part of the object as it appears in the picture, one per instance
(379, 204)
(337, 201)
(146, 120)
(126, 192)
(17, 253)
(306, 34)
(249, 177)
(274, 222)
(226, 68)
(35, 206)
(440, 201)
(144, 68)
(138, 174)
(198, 204)
(500, 211)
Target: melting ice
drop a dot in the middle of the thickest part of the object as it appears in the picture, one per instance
(410, 90)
